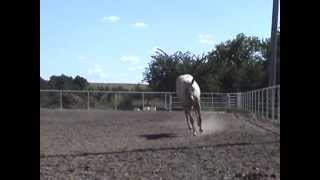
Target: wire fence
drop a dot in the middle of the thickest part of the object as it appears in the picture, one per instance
(265, 103)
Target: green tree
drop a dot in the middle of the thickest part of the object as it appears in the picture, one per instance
(43, 84)
(163, 69)
(238, 64)
(234, 65)
(80, 83)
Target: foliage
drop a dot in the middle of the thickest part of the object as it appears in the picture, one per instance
(234, 65)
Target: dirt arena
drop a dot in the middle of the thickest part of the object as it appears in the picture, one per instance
(92, 144)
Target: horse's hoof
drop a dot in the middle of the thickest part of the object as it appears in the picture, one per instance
(194, 134)
(201, 130)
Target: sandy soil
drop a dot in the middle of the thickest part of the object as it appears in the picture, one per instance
(156, 145)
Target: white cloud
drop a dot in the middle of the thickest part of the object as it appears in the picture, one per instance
(98, 71)
(206, 39)
(140, 24)
(130, 59)
(112, 19)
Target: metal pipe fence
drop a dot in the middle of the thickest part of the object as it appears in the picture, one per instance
(130, 100)
(265, 102)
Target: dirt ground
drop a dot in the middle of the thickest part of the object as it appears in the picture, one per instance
(156, 145)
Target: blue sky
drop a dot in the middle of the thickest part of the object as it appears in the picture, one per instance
(112, 41)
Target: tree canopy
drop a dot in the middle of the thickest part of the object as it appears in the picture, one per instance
(64, 82)
(234, 65)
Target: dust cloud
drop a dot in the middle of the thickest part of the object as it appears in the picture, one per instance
(211, 123)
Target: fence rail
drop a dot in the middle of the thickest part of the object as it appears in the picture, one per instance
(128, 100)
(265, 102)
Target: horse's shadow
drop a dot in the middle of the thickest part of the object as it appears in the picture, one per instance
(158, 136)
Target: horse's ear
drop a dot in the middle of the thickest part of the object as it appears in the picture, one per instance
(192, 80)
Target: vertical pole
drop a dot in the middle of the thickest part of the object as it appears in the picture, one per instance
(227, 100)
(247, 94)
(239, 102)
(115, 101)
(118, 97)
(258, 103)
(241, 97)
(255, 102)
(267, 103)
(212, 100)
(246, 101)
(253, 105)
(272, 102)
(88, 103)
(165, 101)
(262, 101)
(251, 101)
(242, 103)
(278, 104)
(273, 58)
(142, 101)
(170, 102)
(60, 99)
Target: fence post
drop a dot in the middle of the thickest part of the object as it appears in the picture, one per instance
(278, 103)
(60, 99)
(267, 103)
(170, 102)
(262, 101)
(272, 102)
(227, 100)
(249, 107)
(88, 103)
(255, 102)
(241, 97)
(165, 101)
(245, 101)
(115, 101)
(247, 97)
(142, 101)
(250, 101)
(239, 102)
(212, 100)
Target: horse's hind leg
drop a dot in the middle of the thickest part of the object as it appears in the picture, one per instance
(192, 123)
(187, 118)
(198, 113)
